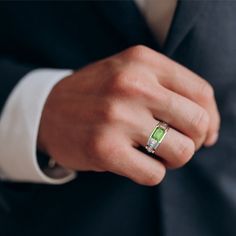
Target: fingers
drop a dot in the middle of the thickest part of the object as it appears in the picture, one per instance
(113, 150)
(190, 85)
(182, 81)
(131, 163)
(175, 150)
(139, 167)
(213, 131)
(182, 114)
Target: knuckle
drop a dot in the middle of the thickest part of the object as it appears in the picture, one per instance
(206, 91)
(110, 112)
(168, 102)
(149, 94)
(139, 90)
(154, 178)
(127, 84)
(121, 81)
(98, 151)
(95, 148)
(137, 52)
(101, 150)
(200, 123)
(185, 152)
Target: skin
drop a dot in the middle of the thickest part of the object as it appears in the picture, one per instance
(96, 118)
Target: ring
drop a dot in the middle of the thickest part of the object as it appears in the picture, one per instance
(156, 137)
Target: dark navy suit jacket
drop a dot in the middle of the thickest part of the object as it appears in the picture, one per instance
(197, 200)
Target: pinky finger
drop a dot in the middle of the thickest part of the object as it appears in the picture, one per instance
(138, 167)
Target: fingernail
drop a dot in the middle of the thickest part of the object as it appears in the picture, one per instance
(212, 140)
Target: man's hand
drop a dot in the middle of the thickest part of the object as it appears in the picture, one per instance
(96, 118)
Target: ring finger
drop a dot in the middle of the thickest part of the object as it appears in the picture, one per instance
(175, 150)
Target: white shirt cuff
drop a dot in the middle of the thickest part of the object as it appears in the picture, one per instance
(19, 123)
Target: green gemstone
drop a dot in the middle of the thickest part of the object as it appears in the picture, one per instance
(158, 134)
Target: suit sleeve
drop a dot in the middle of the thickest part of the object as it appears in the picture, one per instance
(23, 92)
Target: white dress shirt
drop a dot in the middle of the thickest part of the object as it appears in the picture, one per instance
(20, 118)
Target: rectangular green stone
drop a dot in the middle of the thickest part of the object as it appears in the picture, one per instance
(158, 134)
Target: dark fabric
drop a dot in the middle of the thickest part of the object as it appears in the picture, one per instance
(199, 199)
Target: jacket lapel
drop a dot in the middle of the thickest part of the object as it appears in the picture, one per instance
(126, 18)
(186, 15)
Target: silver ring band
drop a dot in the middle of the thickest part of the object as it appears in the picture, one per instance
(156, 137)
